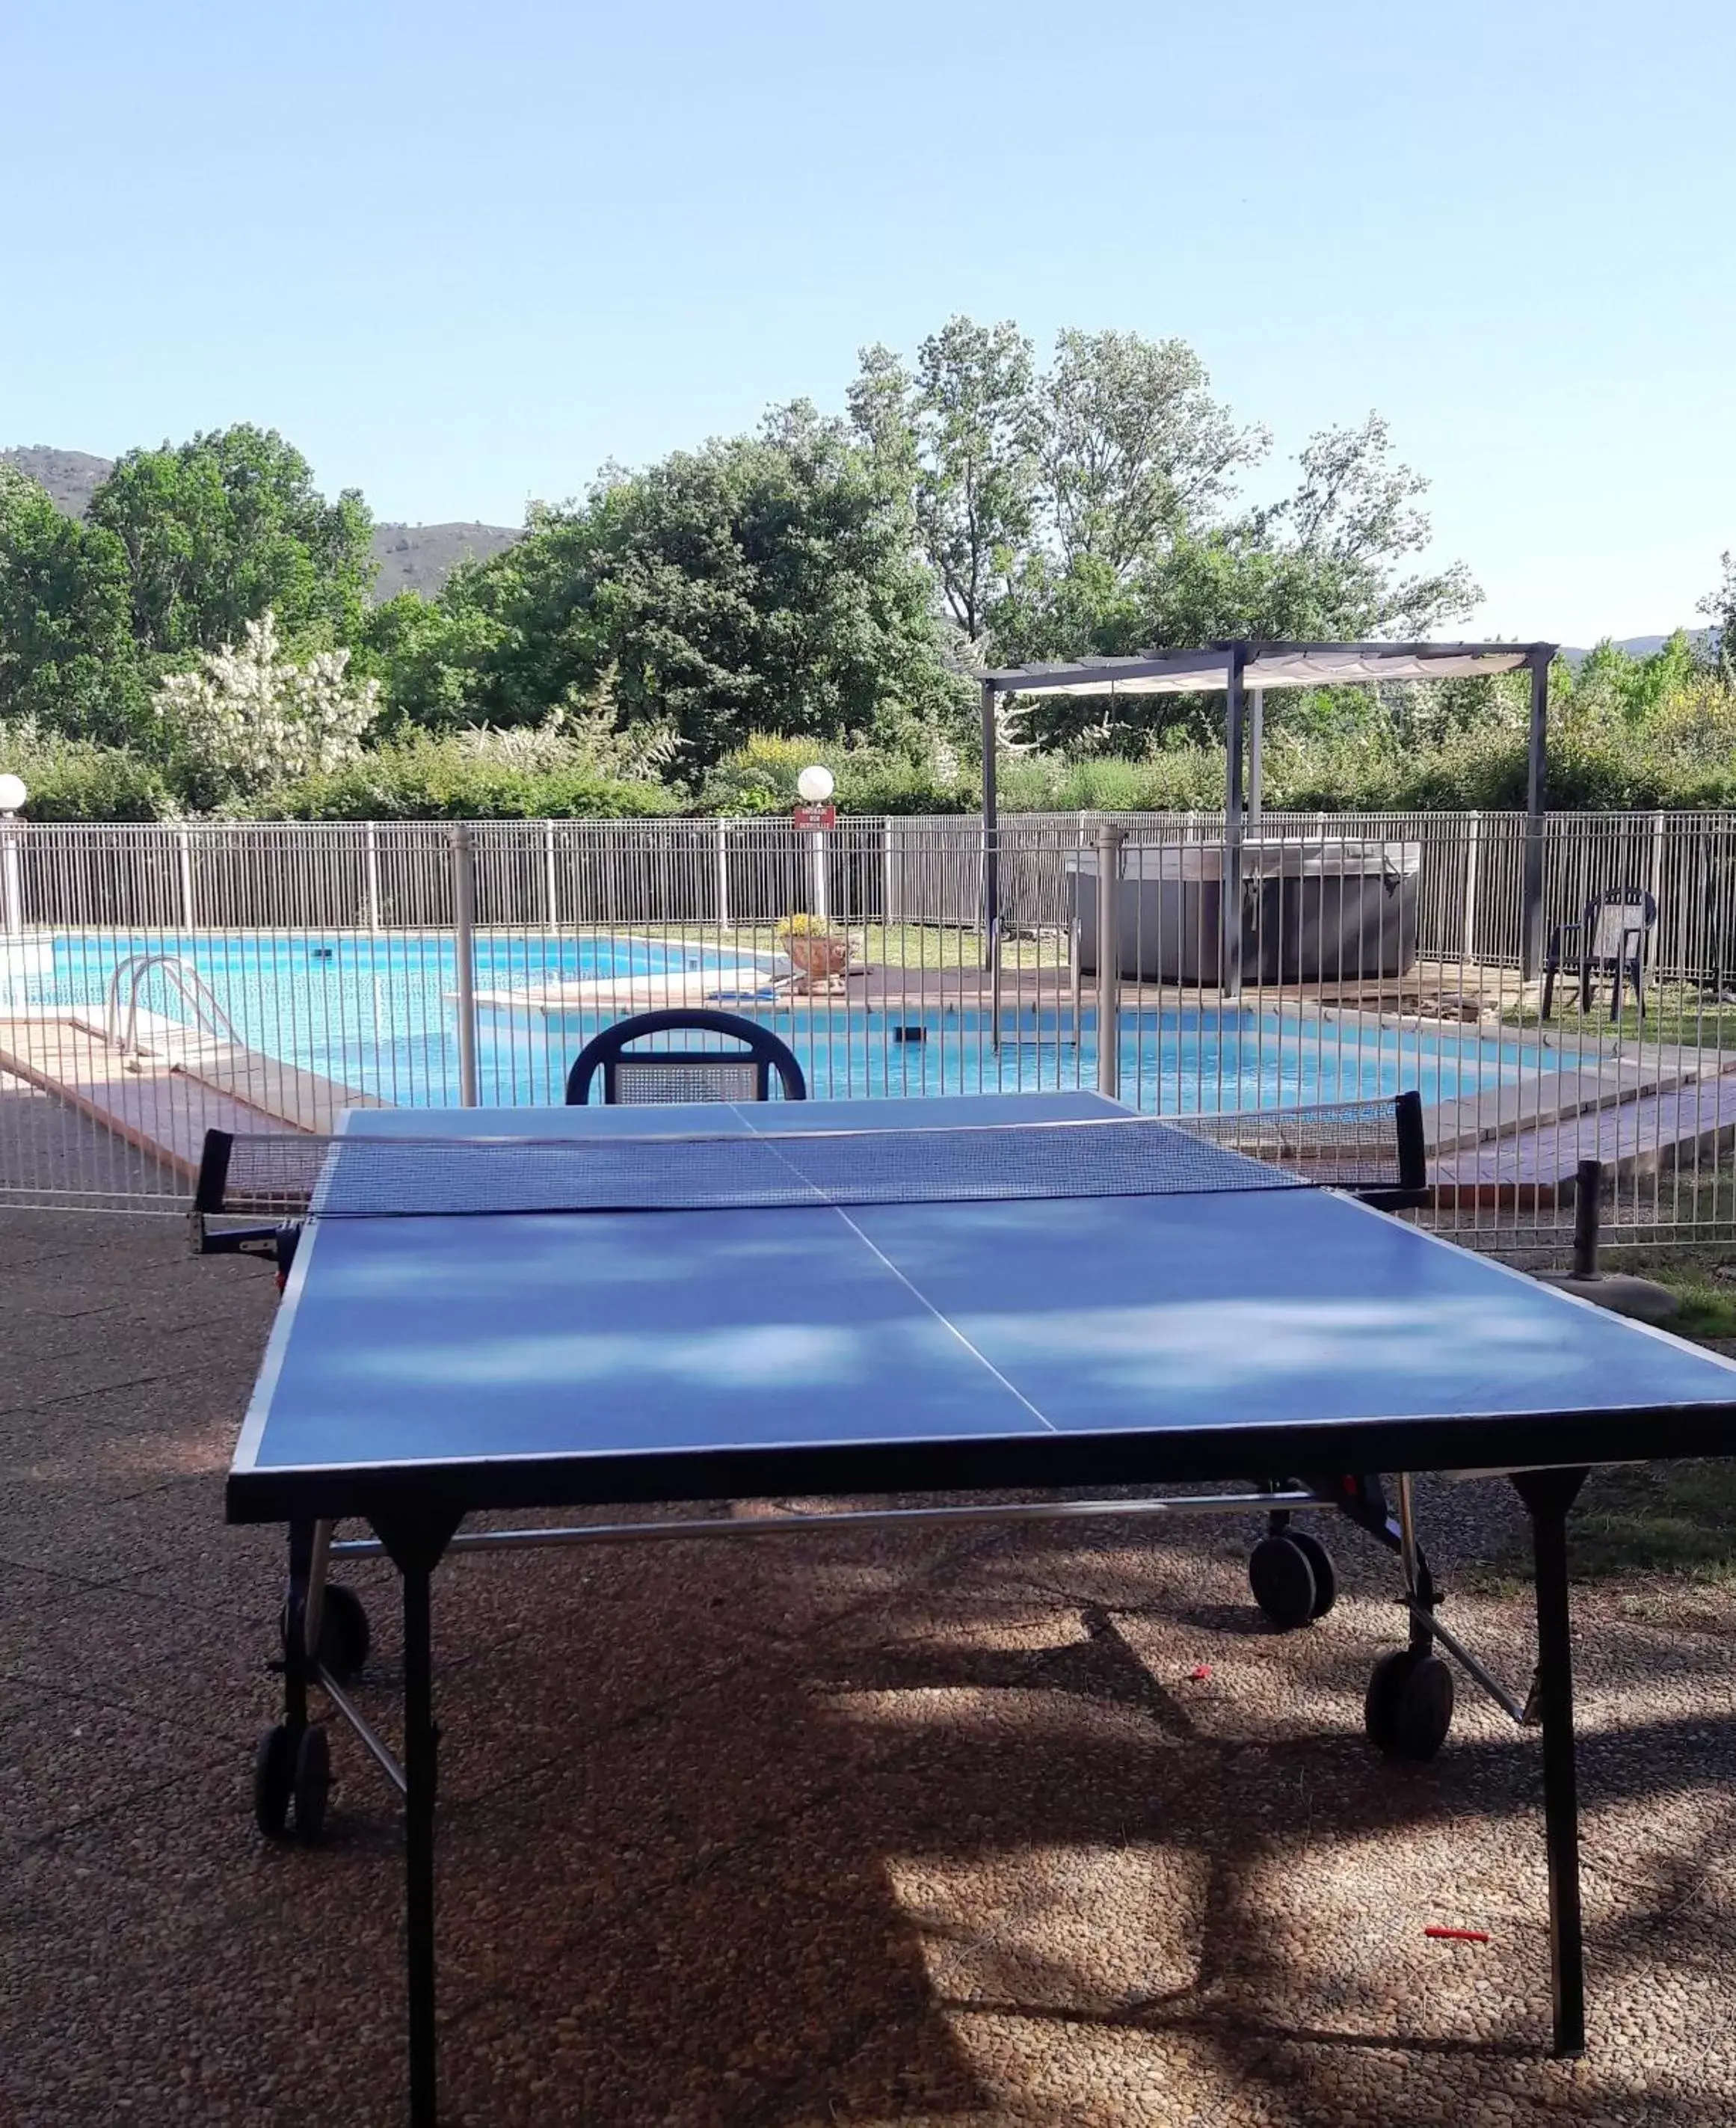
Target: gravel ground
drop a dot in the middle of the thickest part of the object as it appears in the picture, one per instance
(938, 1829)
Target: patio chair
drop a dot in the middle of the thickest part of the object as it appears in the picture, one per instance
(741, 1074)
(1610, 939)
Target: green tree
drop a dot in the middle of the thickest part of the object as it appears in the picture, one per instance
(1611, 683)
(1719, 608)
(221, 530)
(964, 430)
(1136, 451)
(1355, 512)
(1092, 512)
(67, 659)
(763, 584)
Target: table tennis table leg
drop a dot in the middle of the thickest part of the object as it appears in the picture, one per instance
(416, 1550)
(296, 1650)
(420, 1748)
(1548, 1495)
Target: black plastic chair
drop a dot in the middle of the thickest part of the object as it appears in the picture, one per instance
(685, 1075)
(1610, 939)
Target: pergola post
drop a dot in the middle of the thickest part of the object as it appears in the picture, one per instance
(1530, 915)
(1230, 886)
(1256, 757)
(991, 835)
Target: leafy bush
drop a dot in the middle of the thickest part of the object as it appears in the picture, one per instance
(1178, 779)
(71, 780)
(428, 779)
(761, 778)
(247, 719)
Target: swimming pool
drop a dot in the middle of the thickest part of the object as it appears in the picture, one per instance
(377, 1013)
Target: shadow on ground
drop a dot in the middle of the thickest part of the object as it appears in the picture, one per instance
(890, 1828)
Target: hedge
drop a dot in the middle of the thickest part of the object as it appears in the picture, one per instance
(433, 782)
(1683, 755)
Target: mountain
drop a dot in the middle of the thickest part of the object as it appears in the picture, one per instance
(412, 557)
(71, 477)
(419, 558)
(1639, 646)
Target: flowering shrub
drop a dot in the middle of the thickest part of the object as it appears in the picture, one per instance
(249, 718)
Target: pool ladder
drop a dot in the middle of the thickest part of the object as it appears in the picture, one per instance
(121, 1027)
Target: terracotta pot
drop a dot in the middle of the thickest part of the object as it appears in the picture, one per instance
(817, 955)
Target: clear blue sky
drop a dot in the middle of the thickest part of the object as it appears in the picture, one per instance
(463, 254)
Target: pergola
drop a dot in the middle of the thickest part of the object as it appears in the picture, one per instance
(1244, 671)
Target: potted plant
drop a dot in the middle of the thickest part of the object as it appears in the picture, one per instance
(817, 952)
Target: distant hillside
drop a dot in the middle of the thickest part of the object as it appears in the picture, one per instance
(412, 557)
(1640, 646)
(71, 477)
(419, 558)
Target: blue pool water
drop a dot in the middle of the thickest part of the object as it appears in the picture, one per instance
(377, 1013)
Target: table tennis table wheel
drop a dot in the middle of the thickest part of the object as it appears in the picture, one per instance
(344, 1634)
(1325, 1575)
(274, 1780)
(313, 1781)
(291, 1775)
(1409, 1706)
(1281, 1573)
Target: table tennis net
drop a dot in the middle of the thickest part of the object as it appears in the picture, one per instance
(368, 1177)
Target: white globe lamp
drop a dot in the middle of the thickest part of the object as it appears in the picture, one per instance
(13, 794)
(814, 785)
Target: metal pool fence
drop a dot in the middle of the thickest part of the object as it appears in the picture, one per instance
(154, 981)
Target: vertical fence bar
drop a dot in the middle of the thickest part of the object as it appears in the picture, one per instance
(1230, 977)
(184, 863)
(1658, 833)
(371, 856)
(1109, 841)
(464, 954)
(723, 923)
(991, 821)
(1531, 914)
(1474, 851)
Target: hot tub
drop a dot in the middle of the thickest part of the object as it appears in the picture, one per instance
(1312, 912)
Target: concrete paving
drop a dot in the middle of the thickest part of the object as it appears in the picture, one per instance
(936, 1829)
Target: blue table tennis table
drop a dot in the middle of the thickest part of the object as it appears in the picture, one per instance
(538, 1309)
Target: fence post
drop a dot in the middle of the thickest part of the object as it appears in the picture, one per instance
(1658, 833)
(184, 861)
(373, 851)
(723, 923)
(550, 885)
(1473, 858)
(1109, 840)
(11, 878)
(464, 953)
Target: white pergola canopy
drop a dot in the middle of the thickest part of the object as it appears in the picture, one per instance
(1263, 665)
(1246, 669)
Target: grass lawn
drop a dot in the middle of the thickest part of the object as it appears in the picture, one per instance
(1657, 1519)
(1675, 1013)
